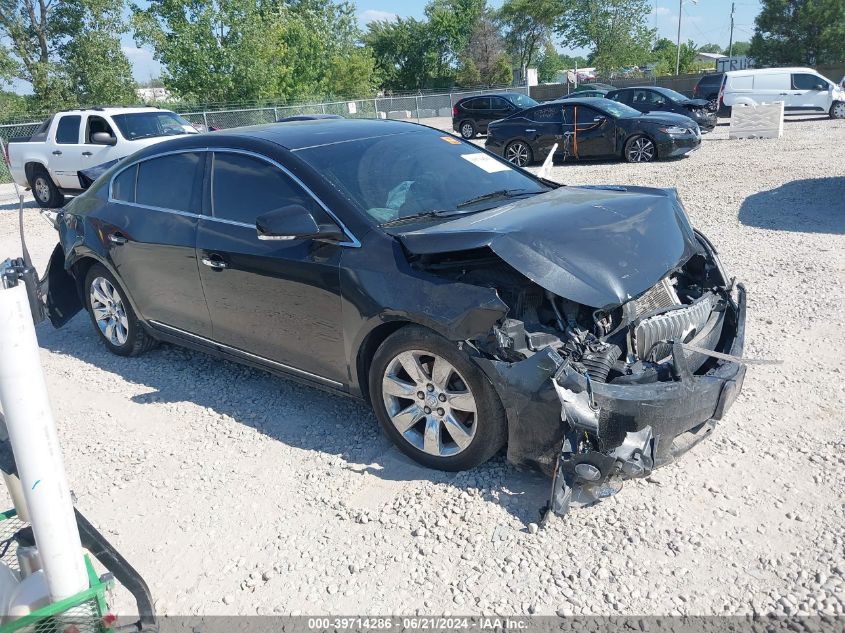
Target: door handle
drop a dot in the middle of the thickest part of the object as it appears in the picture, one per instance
(216, 264)
(117, 239)
(86, 153)
(57, 153)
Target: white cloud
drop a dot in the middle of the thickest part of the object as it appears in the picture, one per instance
(374, 15)
(144, 66)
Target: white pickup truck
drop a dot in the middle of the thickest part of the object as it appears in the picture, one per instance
(71, 141)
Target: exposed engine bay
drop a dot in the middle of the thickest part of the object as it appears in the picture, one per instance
(599, 361)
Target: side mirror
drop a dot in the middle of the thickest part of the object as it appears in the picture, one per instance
(294, 222)
(103, 138)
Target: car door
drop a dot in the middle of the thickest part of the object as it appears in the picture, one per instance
(94, 154)
(589, 132)
(481, 112)
(622, 96)
(277, 300)
(809, 92)
(149, 231)
(500, 108)
(545, 128)
(65, 151)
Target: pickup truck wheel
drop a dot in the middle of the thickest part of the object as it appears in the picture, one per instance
(46, 193)
(112, 315)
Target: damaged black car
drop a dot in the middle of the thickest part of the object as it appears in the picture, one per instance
(591, 330)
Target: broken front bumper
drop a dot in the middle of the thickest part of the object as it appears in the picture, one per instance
(591, 435)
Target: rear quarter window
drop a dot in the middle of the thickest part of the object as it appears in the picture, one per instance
(741, 82)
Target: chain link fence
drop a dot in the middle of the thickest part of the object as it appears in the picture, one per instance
(408, 107)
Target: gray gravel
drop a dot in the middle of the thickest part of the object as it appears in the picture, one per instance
(234, 492)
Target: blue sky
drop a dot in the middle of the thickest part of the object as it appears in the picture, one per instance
(703, 21)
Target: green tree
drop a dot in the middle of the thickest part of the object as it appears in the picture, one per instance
(53, 45)
(403, 58)
(450, 25)
(710, 48)
(615, 31)
(468, 75)
(550, 63)
(805, 32)
(738, 50)
(665, 56)
(527, 26)
(486, 51)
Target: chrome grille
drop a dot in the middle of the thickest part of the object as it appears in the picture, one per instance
(661, 295)
(670, 326)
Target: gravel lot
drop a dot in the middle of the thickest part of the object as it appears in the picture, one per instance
(234, 492)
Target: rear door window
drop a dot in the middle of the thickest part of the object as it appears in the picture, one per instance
(481, 103)
(67, 132)
(771, 81)
(244, 187)
(172, 182)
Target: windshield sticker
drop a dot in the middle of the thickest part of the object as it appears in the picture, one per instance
(451, 140)
(485, 162)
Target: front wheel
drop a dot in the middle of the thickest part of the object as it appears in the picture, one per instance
(837, 110)
(640, 149)
(434, 403)
(519, 153)
(113, 316)
(45, 191)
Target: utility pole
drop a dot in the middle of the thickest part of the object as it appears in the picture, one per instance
(731, 42)
(678, 58)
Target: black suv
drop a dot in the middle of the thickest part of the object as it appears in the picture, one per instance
(471, 115)
(708, 87)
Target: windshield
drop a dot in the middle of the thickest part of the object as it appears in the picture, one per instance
(403, 175)
(523, 101)
(618, 109)
(671, 94)
(150, 124)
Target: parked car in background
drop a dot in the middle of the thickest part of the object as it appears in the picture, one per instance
(591, 128)
(594, 85)
(71, 141)
(657, 99)
(472, 115)
(707, 88)
(471, 304)
(800, 89)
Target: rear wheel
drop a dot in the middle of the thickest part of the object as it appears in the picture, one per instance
(112, 315)
(640, 149)
(519, 153)
(468, 129)
(837, 110)
(434, 403)
(45, 191)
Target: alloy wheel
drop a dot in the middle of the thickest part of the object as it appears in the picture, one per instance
(641, 150)
(109, 311)
(41, 188)
(467, 130)
(429, 403)
(518, 153)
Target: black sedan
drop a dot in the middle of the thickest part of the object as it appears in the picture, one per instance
(588, 129)
(581, 94)
(472, 304)
(656, 99)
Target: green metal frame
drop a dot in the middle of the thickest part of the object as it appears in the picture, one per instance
(95, 595)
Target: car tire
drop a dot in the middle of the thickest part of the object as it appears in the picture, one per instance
(837, 110)
(459, 421)
(519, 153)
(640, 149)
(112, 314)
(44, 190)
(468, 129)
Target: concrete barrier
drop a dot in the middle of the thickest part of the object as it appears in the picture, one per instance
(426, 113)
(399, 114)
(445, 112)
(757, 121)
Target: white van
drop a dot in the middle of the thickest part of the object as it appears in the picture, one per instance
(801, 89)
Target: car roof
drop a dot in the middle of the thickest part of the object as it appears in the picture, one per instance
(767, 71)
(494, 94)
(114, 110)
(296, 135)
(577, 100)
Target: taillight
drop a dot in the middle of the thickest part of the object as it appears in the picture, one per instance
(722, 92)
(454, 111)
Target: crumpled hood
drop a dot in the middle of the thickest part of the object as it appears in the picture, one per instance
(695, 103)
(598, 247)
